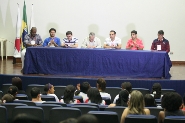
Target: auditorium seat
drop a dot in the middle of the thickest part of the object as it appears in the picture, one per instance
(113, 91)
(10, 107)
(59, 91)
(155, 111)
(158, 101)
(27, 102)
(29, 87)
(21, 97)
(1, 94)
(174, 119)
(29, 110)
(144, 91)
(46, 108)
(90, 104)
(56, 103)
(3, 114)
(118, 109)
(85, 108)
(107, 100)
(102, 107)
(163, 91)
(48, 98)
(140, 119)
(5, 87)
(105, 116)
(58, 114)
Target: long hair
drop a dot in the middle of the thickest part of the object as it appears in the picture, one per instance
(136, 103)
(94, 95)
(46, 88)
(156, 90)
(123, 98)
(69, 94)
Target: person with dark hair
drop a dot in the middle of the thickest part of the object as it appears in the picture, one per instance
(156, 91)
(183, 102)
(69, 120)
(134, 43)
(94, 97)
(52, 41)
(49, 90)
(124, 85)
(136, 106)
(149, 101)
(172, 104)
(122, 100)
(112, 42)
(24, 118)
(16, 81)
(69, 95)
(70, 41)
(30, 40)
(84, 87)
(11, 95)
(101, 86)
(161, 43)
(87, 118)
(35, 94)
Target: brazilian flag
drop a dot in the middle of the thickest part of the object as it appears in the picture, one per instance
(24, 25)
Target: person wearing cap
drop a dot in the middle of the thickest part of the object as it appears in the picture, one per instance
(161, 43)
(91, 41)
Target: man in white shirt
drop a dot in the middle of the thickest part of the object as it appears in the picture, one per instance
(113, 42)
(70, 41)
(91, 41)
(101, 86)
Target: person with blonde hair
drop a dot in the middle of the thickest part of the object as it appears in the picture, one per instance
(135, 106)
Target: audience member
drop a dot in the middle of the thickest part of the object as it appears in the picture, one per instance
(124, 85)
(156, 91)
(84, 87)
(49, 90)
(11, 95)
(122, 99)
(101, 85)
(24, 118)
(135, 106)
(35, 94)
(69, 120)
(87, 118)
(69, 95)
(172, 104)
(94, 97)
(149, 101)
(16, 81)
(183, 102)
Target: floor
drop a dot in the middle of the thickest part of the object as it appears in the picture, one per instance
(6, 67)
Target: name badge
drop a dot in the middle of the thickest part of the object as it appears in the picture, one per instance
(32, 42)
(158, 47)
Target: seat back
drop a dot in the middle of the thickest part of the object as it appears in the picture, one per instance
(46, 108)
(89, 104)
(3, 114)
(113, 91)
(155, 111)
(48, 98)
(21, 97)
(174, 119)
(1, 94)
(62, 113)
(27, 102)
(85, 108)
(163, 91)
(5, 87)
(10, 107)
(29, 110)
(59, 91)
(144, 91)
(118, 109)
(140, 119)
(29, 87)
(56, 103)
(105, 116)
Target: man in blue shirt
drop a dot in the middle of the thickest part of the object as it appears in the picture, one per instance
(52, 41)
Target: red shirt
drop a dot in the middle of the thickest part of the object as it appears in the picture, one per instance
(165, 46)
(136, 45)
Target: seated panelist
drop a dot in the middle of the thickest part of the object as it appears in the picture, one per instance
(70, 41)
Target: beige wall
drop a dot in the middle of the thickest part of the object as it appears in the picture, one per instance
(101, 16)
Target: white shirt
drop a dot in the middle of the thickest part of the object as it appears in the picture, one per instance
(83, 95)
(96, 43)
(102, 103)
(117, 97)
(104, 94)
(71, 102)
(116, 42)
(56, 98)
(72, 42)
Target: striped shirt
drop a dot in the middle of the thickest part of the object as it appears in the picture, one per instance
(70, 42)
